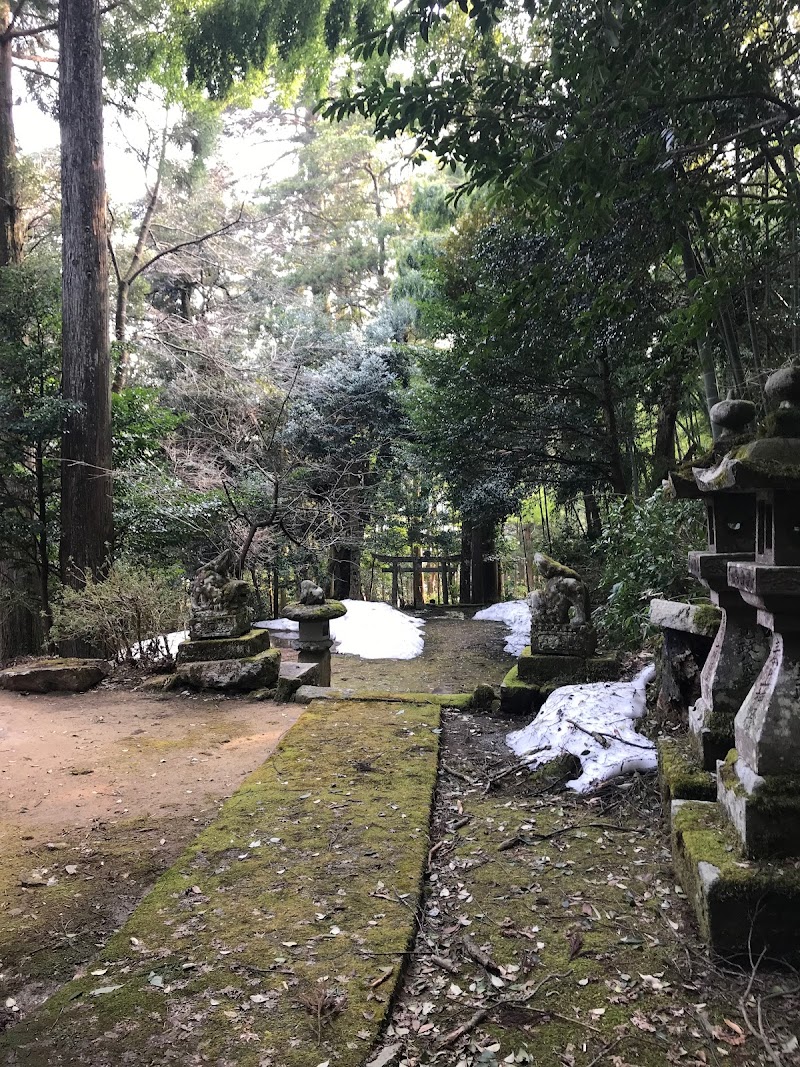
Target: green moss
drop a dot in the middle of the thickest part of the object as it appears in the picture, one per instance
(680, 775)
(559, 890)
(325, 901)
(706, 617)
(441, 700)
(702, 834)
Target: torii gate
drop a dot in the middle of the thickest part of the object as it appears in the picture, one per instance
(419, 565)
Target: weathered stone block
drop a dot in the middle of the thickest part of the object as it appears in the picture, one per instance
(702, 619)
(292, 676)
(55, 675)
(537, 668)
(765, 812)
(522, 698)
(680, 775)
(210, 648)
(564, 640)
(255, 672)
(208, 624)
(603, 668)
(552, 670)
(740, 906)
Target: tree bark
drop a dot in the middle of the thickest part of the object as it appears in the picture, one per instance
(664, 448)
(10, 222)
(19, 629)
(465, 572)
(87, 527)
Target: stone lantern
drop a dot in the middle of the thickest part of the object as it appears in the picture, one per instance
(738, 860)
(758, 785)
(313, 614)
(740, 646)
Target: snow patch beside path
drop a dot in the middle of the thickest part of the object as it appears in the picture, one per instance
(596, 723)
(516, 614)
(370, 630)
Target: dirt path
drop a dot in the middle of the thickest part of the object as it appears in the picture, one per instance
(100, 793)
(68, 760)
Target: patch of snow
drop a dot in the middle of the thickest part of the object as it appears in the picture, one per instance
(516, 614)
(596, 723)
(369, 630)
(278, 625)
(172, 640)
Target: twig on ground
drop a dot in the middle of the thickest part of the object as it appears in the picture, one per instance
(458, 774)
(479, 956)
(532, 837)
(445, 964)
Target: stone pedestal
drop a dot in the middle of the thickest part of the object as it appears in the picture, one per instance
(564, 640)
(211, 624)
(314, 638)
(736, 657)
(759, 785)
(688, 631)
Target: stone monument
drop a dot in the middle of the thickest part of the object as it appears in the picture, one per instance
(313, 614)
(223, 652)
(731, 856)
(563, 641)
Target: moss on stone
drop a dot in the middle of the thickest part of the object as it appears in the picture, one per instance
(680, 774)
(238, 935)
(706, 618)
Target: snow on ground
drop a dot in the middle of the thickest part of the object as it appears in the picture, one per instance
(369, 630)
(516, 614)
(596, 723)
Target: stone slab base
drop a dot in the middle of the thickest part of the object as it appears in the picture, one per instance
(212, 648)
(740, 905)
(767, 819)
(551, 670)
(55, 676)
(292, 676)
(218, 624)
(680, 775)
(237, 675)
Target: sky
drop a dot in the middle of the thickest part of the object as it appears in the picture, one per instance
(248, 158)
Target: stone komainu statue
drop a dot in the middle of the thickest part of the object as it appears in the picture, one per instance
(311, 593)
(560, 613)
(214, 588)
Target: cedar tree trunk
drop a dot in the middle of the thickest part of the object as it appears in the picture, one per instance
(86, 482)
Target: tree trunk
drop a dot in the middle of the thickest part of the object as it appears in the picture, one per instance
(87, 525)
(485, 572)
(19, 630)
(594, 523)
(465, 573)
(10, 223)
(340, 571)
(664, 448)
(616, 470)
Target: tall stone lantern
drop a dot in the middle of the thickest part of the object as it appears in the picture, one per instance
(738, 860)
(741, 645)
(759, 785)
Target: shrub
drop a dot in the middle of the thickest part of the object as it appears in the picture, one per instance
(643, 549)
(127, 615)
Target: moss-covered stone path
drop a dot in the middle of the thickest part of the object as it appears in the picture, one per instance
(277, 937)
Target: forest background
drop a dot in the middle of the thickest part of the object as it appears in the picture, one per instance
(492, 264)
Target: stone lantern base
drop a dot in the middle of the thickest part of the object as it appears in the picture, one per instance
(741, 906)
